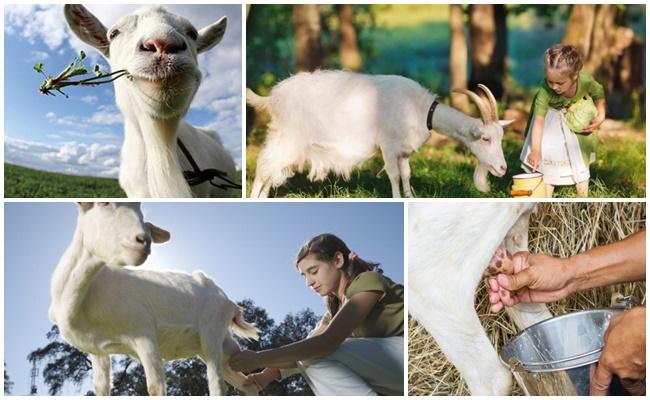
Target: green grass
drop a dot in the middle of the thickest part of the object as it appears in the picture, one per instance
(446, 171)
(26, 182)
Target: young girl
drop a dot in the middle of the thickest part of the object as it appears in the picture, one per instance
(551, 147)
(358, 346)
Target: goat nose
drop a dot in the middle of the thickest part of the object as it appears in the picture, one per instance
(163, 46)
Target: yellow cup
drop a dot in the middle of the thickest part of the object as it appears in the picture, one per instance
(528, 185)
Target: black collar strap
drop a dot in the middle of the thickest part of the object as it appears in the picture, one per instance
(198, 176)
(431, 110)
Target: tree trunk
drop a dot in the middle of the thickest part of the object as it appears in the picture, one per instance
(457, 57)
(488, 46)
(348, 48)
(580, 27)
(307, 26)
(607, 49)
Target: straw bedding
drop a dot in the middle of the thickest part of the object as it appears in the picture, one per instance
(559, 229)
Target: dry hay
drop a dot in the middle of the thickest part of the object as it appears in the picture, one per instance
(559, 229)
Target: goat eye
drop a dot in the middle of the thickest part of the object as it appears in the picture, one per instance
(193, 34)
(486, 139)
(113, 34)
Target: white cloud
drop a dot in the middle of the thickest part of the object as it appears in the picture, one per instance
(69, 157)
(37, 22)
(107, 115)
(36, 55)
(89, 99)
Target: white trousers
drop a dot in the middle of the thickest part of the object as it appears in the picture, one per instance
(360, 367)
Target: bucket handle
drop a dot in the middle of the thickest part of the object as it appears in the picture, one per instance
(545, 363)
(524, 192)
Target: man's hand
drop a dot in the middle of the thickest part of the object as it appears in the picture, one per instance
(623, 355)
(535, 278)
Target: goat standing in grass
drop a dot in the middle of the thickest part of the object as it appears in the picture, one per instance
(335, 120)
(102, 308)
(159, 50)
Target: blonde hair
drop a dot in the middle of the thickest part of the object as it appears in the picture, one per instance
(562, 56)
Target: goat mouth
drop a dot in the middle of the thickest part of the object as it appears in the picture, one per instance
(495, 171)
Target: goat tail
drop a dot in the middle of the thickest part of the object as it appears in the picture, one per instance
(241, 328)
(259, 103)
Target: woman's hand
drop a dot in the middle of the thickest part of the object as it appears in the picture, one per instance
(262, 379)
(534, 159)
(245, 361)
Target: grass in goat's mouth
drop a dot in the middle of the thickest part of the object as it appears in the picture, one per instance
(76, 68)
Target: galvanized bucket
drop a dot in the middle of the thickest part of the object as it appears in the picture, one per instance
(553, 357)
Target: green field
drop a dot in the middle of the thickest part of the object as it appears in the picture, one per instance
(445, 170)
(26, 182)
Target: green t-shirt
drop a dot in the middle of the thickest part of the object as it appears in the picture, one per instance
(546, 97)
(387, 316)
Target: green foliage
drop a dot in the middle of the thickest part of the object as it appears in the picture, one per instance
(446, 170)
(26, 182)
(270, 41)
(184, 377)
(75, 68)
(8, 383)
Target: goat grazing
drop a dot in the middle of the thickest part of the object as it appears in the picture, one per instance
(102, 308)
(159, 50)
(450, 246)
(335, 120)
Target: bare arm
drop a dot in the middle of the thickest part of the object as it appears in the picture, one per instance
(322, 344)
(535, 156)
(622, 261)
(600, 117)
(539, 278)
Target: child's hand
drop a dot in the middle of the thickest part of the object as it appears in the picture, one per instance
(595, 123)
(534, 159)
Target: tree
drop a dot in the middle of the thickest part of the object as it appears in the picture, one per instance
(488, 42)
(307, 27)
(8, 383)
(64, 363)
(457, 57)
(612, 52)
(348, 48)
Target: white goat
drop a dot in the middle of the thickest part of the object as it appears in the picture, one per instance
(450, 246)
(159, 50)
(335, 120)
(103, 309)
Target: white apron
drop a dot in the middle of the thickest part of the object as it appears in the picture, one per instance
(562, 161)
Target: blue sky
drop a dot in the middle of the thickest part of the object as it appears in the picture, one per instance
(82, 135)
(247, 248)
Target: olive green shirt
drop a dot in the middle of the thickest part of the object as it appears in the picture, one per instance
(386, 318)
(546, 97)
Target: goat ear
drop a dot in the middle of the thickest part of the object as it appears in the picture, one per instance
(83, 207)
(87, 27)
(158, 235)
(506, 122)
(211, 35)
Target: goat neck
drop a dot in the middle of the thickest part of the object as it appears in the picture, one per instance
(158, 150)
(453, 123)
(72, 277)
